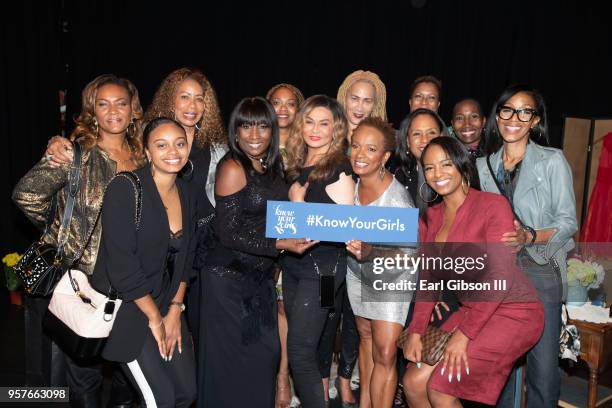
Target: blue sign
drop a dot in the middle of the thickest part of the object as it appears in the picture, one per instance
(340, 223)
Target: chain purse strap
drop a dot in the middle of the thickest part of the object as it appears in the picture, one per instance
(316, 266)
(112, 293)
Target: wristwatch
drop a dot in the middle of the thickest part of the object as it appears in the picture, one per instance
(180, 305)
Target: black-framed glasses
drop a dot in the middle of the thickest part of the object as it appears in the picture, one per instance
(524, 114)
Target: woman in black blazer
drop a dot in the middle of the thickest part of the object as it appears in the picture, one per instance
(148, 263)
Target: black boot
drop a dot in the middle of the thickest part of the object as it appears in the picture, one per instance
(91, 400)
(122, 393)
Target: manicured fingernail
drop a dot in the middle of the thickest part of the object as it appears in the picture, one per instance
(450, 378)
(443, 368)
(170, 359)
(458, 377)
(418, 365)
(467, 370)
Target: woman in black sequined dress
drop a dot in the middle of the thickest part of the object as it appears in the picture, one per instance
(239, 346)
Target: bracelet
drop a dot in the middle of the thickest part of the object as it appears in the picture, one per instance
(280, 239)
(532, 232)
(161, 321)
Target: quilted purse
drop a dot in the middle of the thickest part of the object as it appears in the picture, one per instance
(43, 264)
(434, 343)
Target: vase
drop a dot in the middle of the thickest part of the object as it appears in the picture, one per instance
(576, 295)
(15, 297)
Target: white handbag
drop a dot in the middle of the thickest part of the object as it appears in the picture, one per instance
(86, 318)
(80, 318)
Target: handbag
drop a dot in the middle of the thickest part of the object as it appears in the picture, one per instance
(80, 318)
(43, 264)
(434, 343)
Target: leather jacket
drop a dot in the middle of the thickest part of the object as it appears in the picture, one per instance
(35, 190)
(543, 199)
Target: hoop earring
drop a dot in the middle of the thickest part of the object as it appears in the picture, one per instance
(185, 173)
(382, 172)
(198, 127)
(421, 194)
(463, 179)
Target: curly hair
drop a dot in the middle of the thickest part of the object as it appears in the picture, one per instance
(299, 96)
(297, 148)
(383, 127)
(379, 110)
(86, 129)
(210, 129)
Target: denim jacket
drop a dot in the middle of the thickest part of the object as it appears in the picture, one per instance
(543, 199)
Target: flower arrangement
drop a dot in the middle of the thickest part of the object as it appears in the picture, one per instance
(585, 273)
(10, 260)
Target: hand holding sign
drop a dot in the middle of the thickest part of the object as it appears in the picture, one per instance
(297, 192)
(295, 245)
(359, 249)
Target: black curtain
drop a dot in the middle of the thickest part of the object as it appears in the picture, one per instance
(475, 47)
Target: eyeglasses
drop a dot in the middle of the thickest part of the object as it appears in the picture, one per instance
(524, 114)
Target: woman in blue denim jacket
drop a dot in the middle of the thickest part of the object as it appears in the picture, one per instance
(537, 181)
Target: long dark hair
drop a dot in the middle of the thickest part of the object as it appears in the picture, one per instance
(538, 134)
(455, 151)
(253, 111)
(407, 160)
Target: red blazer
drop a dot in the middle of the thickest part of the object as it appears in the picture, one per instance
(482, 218)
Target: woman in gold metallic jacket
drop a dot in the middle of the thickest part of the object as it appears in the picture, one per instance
(109, 132)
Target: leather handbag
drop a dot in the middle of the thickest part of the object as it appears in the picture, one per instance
(434, 343)
(79, 318)
(43, 264)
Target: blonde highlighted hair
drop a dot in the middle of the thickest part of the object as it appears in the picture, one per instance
(210, 129)
(86, 129)
(380, 101)
(296, 146)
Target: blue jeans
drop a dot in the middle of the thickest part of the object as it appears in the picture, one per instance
(543, 376)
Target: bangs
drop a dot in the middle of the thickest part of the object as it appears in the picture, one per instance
(253, 112)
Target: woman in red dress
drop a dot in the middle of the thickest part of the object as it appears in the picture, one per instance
(492, 328)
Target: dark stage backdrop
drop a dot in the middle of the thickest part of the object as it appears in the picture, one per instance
(475, 47)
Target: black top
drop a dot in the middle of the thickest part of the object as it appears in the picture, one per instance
(327, 255)
(136, 261)
(240, 244)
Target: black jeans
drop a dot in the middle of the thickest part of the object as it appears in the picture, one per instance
(306, 320)
(349, 338)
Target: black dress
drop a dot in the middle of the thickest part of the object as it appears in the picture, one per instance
(239, 348)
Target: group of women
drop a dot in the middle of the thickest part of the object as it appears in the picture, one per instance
(254, 318)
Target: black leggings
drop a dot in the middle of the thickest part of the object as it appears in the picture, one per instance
(349, 338)
(306, 320)
(161, 383)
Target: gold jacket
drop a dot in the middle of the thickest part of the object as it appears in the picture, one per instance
(34, 192)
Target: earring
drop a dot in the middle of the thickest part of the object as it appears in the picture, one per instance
(133, 132)
(187, 173)
(463, 184)
(198, 127)
(264, 164)
(95, 122)
(382, 172)
(421, 194)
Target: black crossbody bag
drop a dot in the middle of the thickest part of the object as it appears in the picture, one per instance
(43, 264)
